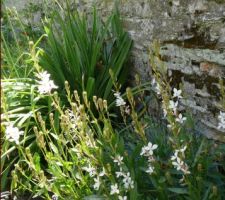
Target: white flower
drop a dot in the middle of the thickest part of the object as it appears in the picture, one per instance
(155, 86)
(128, 182)
(150, 169)
(182, 150)
(175, 156)
(122, 197)
(119, 99)
(74, 119)
(54, 197)
(97, 183)
(120, 102)
(45, 84)
(164, 113)
(221, 125)
(13, 134)
(177, 161)
(173, 105)
(185, 169)
(151, 159)
(148, 150)
(91, 170)
(102, 173)
(127, 110)
(181, 119)
(221, 118)
(169, 126)
(177, 93)
(153, 82)
(118, 159)
(117, 94)
(114, 189)
(120, 173)
(178, 164)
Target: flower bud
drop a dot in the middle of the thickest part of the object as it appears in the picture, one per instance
(67, 87)
(51, 117)
(95, 101)
(31, 43)
(199, 167)
(35, 130)
(100, 104)
(215, 190)
(168, 177)
(105, 104)
(77, 98)
(40, 140)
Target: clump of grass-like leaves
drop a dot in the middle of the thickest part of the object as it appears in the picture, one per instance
(82, 52)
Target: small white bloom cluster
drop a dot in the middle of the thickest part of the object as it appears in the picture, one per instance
(13, 134)
(74, 118)
(128, 183)
(177, 161)
(119, 100)
(173, 105)
(221, 118)
(91, 170)
(45, 84)
(147, 151)
(93, 173)
(127, 180)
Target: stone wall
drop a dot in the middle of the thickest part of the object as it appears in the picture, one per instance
(192, 36)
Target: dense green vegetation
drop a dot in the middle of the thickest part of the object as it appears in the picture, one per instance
(72, 130)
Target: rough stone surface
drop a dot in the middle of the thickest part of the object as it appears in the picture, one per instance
(192, 34)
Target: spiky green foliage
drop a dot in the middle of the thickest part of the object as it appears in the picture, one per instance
(83, 51)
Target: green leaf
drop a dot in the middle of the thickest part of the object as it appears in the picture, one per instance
(90, 86)
(82, 52)
(37, 162)
(179, 190)
(53, 148)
